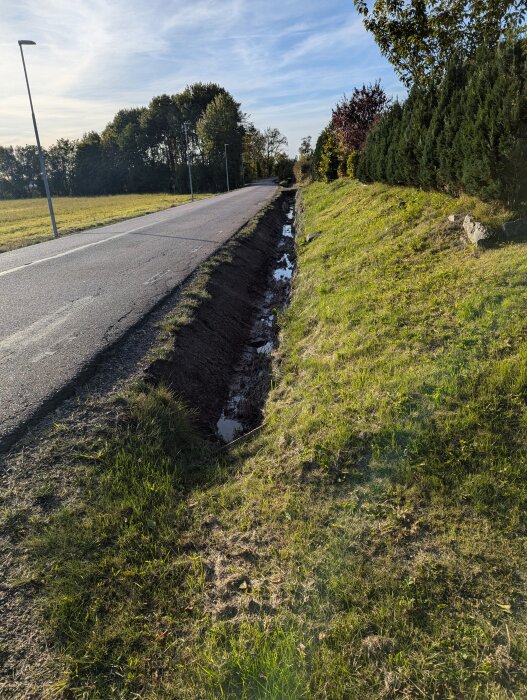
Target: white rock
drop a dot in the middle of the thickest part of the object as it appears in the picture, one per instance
(475, 230)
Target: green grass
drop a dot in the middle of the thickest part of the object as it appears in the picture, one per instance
(370, 541)
(26, 221)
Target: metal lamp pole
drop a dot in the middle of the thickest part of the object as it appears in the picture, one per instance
(185, 125)
(227, 168)
(25, 42)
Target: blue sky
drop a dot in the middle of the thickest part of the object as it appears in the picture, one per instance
(287, 62)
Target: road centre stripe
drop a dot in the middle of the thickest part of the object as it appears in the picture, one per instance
(75, 250)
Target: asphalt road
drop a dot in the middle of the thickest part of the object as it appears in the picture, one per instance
(64, 301)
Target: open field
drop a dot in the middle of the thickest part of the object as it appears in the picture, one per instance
(26, 221)
(370, 541)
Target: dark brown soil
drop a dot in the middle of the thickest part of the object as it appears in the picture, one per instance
(206, 352)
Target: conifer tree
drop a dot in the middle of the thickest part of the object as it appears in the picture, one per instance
(464, 131)
(451, 110)
(317, 152)
(392, 164)
(330, 158)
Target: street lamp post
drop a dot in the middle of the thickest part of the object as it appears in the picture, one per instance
(227, 168)
(185, 125)
(25, 42)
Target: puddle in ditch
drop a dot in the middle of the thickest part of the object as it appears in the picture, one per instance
(228, 428)
(248, 391)
(285, 272)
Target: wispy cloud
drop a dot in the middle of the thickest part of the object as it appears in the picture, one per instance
(287, 63)
(351, 35)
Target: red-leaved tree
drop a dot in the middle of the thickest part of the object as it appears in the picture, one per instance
(354, 117)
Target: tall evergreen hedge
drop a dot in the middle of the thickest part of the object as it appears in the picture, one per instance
(463, 132)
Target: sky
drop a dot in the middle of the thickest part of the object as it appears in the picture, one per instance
(288, 62)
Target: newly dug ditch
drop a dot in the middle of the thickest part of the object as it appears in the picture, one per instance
(368, 542)
(219, 363)
(215, 349)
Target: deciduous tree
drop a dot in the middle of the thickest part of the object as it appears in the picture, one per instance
(274, 143)
(353, 117)
(419, 36)
(222, 124)
(303, 167)
(253, 152)
(60, 162)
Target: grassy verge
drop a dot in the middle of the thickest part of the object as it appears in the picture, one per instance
(370, 541)
(26, 221)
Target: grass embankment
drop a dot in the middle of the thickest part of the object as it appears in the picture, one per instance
(26, 221)
(370, 541)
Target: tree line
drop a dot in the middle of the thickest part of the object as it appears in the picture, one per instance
(147, 149)
(463, 131)
(463, 126)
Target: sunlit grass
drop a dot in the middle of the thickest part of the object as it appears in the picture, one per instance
(27, 221)
(370, 541)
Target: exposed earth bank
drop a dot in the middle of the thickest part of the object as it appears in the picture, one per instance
(246, 288)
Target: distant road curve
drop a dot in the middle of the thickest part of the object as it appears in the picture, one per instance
(64, 301)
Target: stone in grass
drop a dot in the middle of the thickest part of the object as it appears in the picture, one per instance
(456, 218)
(475, 231)
(312, 236)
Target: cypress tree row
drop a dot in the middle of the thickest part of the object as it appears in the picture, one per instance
(463, 132)
(451, 110)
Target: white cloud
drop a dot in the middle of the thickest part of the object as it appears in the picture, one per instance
(286, 62)
(350, 35)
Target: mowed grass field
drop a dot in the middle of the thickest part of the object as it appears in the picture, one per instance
(370, 541)
(26, 221)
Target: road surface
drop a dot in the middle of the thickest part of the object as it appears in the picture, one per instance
(64, 301)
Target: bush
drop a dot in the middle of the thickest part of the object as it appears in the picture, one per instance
(352, 163)
(302, 170)
(332, 159)
(284, 167)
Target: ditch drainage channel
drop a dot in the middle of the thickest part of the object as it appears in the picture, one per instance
(220, 363)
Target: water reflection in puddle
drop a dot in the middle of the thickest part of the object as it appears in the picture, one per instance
(251, 381)
(228, 428)
(285, 271)
(265, 349)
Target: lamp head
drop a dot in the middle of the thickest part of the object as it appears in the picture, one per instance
(26, 42)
